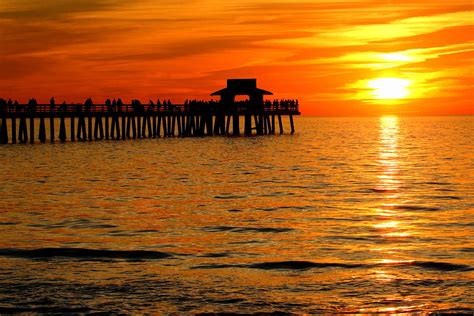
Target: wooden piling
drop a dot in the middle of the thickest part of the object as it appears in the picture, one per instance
(22, 129)
(73, 121)
(180, 132)
(248, 124)
(147, 122)
(42, 130)
(81, 127)
(13, 130)
(158, 125)
(62, 128)
(165, 129)
(106, 125)
(124, 137)
(169, 124)
(280, 123)
(292, 124)
(89, 126)
(139, 132)
(173, 125)
(32, 128)
(191, 124)
(51, 126)
(134, 126)
(236, 124)
(259, 123)
(227, 125)
(4, 130)
(113, 125)
(129, 126)
(143, 126)
(183, 125)
(209, 126)
(96, 129)
(273, 124)
(265, 127)
(268, 124)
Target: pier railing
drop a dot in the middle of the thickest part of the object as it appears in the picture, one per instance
(129, 108)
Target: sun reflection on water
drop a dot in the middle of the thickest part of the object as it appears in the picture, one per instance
(390, 226)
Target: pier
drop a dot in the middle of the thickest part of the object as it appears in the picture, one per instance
(26, 123)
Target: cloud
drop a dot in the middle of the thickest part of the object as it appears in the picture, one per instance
(373, 33)
(50, 9)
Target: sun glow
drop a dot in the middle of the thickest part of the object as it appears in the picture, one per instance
(389, 88)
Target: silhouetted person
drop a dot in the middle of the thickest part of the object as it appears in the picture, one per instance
(52, 103)
(119, 105)
(88, 104)
(10, 105)
(108, 105)
(16, 106)
(63, 106)
(137, 106)
(32, 104)
(158, 104)
(151, 106)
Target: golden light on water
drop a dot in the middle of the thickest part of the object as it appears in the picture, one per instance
(390, 225)
(389, 88)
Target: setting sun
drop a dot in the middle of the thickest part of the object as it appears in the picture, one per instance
(389, 88)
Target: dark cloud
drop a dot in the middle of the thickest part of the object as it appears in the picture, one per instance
(52, 9)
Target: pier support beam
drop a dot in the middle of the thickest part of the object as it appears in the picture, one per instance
(32, 128)
(280, 123)
(73, 128)
(4, 130)
(273, 124)
(51, 126)
(89, 126)
(42, 130)
(22, 130)
(62, 128)
(13, 130)
(124, 136)
(236, 125)
(248, 124)
(106, 126)
(292, 124)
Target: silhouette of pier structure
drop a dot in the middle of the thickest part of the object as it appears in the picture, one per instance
(119, 121)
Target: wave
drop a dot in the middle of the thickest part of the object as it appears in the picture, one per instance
(44, 310)
(375, 190)
(300, 265)
(83, 253)
(416, 208)
(246, 229)
(307, 265)
(442, 266)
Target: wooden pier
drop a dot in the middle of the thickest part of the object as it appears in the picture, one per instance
(118, 121)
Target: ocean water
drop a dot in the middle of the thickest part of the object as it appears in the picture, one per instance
(353, 215)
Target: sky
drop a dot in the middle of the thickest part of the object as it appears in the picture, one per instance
(338, 58)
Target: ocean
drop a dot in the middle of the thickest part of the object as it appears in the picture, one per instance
(348, 215)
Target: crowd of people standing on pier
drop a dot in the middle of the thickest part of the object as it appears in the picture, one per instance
(117, 105)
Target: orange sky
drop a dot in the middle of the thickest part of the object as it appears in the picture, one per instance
(325, 53)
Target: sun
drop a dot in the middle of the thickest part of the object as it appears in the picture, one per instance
(389, 88)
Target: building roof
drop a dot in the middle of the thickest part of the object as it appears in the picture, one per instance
(241, 87)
